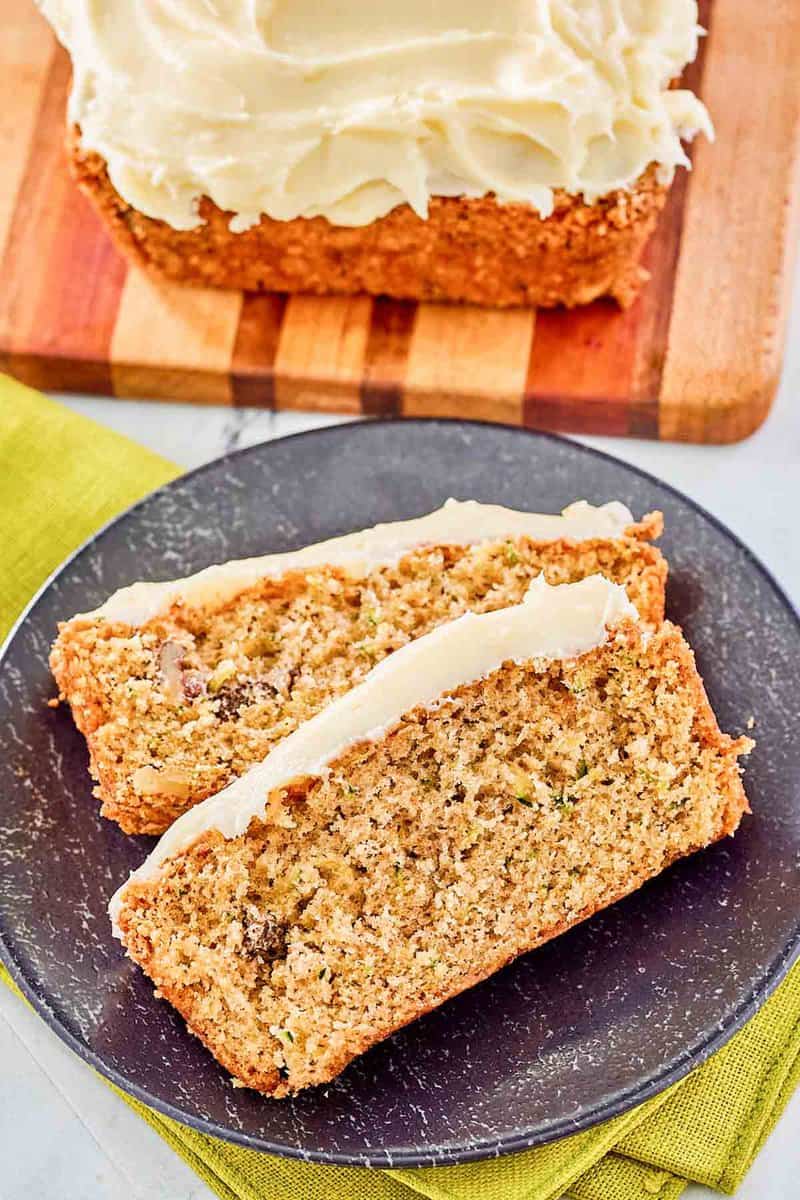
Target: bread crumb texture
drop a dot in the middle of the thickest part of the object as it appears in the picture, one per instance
(426, 860)
(175, 709)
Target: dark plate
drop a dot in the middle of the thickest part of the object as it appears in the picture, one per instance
(583, 1028)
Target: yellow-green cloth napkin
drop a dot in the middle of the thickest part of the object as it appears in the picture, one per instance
(61, 477)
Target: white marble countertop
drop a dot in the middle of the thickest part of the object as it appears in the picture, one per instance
(63, 1134)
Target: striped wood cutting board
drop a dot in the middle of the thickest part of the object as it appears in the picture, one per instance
(697, 357)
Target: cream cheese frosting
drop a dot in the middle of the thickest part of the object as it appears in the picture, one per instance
(553, 622)
(294, 108)
(456, 523)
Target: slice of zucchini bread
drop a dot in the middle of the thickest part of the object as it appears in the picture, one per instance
(179, 687)
(484, 789)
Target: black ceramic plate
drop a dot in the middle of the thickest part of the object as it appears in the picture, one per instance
(581, 1029)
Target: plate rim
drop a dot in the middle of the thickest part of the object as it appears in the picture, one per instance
(611, 1105)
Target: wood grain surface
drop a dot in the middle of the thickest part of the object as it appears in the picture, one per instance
(697, 357)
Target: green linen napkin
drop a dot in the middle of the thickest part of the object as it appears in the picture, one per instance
(61, 477)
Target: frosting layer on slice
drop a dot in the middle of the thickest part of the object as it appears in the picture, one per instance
(457, 523)
(559, 622)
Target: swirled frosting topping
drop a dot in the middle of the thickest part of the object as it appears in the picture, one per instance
(294, 108)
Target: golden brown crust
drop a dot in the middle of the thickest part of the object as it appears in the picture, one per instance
(468, 250)
(649, 529)
(709, 733)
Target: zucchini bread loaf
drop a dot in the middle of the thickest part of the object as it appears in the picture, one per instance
(503, 154)
(467, 249)
(179, 687)
(482, 790)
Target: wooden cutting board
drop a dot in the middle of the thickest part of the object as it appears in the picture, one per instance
(697, 358)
